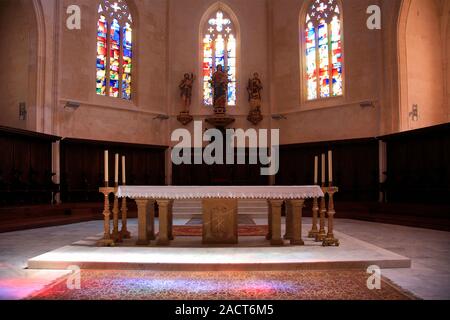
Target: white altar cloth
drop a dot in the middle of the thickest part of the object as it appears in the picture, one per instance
(217, 192)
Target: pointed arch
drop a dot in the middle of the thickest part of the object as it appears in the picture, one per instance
(115, 27)
(219, 44)
(321, 28)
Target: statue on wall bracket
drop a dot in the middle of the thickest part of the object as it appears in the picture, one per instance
(219, 83)
(254, 89)
(186, 98)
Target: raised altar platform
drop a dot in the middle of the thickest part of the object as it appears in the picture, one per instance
(189, 254)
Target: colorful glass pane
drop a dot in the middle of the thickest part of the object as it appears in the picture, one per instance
(231, 67)
(207, 70)
(324, 61)
(114, 59)
(102, 31)
(127, 59)
(311, 61)
(336, 54)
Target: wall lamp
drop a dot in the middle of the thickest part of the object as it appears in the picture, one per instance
(278, 117)
(161, 117)
(72, 105)
(367, 104)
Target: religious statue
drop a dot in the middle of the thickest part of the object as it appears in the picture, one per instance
(186, 90)
(254, 89)
(186, 98)
(219, 83)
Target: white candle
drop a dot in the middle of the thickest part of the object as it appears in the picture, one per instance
(116, 169)
(330, 166)
(106, 166)
(124, 179)
(323, 168)
(316, 170)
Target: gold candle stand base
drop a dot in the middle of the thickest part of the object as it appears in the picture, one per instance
(106, 241)
(330, 240)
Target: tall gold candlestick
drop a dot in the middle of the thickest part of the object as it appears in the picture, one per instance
(330, 240)
(106, 240)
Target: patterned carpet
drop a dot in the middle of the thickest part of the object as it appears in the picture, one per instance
(263, 285)
(197, 231)
(242, 220)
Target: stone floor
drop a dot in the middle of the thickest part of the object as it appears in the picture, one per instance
(428, 278)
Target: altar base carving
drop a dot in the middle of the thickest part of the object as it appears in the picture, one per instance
(220, 225)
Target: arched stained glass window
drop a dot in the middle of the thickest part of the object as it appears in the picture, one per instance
(323, 50)
(219, 48)
(114, 49)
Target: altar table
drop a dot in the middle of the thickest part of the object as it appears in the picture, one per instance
(163, 196)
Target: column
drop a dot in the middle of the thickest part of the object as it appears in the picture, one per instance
(288, 234)
(269, 221)
(170, 222)
(296, 220)
(124, 233)
(164, 205)
(276, 222)
(151, 220)
(143, 208)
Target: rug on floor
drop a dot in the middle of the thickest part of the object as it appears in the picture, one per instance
(242, 220)
(243, 231)
(237, 285)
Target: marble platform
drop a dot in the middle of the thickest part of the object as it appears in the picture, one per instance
(252, 253)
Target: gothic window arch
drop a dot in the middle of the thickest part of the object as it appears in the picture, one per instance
(219, 47)
(114, 49)
(323, 49)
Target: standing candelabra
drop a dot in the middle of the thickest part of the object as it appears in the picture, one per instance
(116, 236)
(106, 241)
(330, 240)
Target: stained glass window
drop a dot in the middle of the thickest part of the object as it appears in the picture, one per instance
(114, 49)
(323, 50)
(219, 48)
